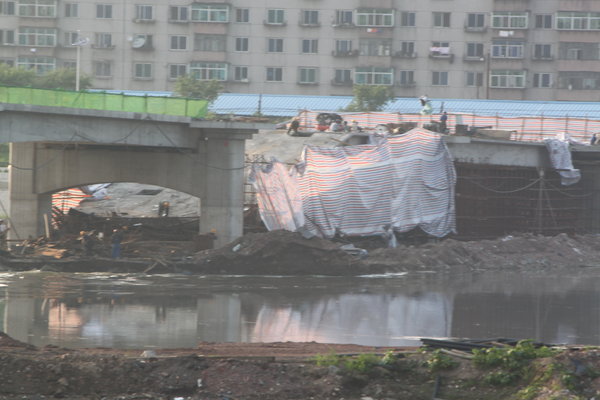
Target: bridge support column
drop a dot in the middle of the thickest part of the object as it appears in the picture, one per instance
(27, 208)
(222, 200)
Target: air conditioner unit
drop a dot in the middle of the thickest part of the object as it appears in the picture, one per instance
(245, 80)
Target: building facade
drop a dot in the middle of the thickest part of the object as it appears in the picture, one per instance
(497, 49)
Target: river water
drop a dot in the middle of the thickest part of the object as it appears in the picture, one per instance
(149, 311)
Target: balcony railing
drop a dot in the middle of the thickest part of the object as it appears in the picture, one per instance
(348, 53)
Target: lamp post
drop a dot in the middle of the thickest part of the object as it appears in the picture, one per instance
(487, 74)
(79, 43)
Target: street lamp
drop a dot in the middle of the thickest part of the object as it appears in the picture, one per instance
(79, 43)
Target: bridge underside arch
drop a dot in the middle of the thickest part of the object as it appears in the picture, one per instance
(213, 172)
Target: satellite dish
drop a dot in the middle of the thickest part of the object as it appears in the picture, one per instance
(138, 42)
(81, 42)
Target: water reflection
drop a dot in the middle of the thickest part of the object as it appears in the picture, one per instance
(129, 311)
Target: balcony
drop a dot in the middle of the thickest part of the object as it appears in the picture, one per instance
(404, 54)
(304, 24)
(343, 25)
(476, 29)
(274, 24)
(474, 59)
(441, 53)
(349, 53)
(346, 82)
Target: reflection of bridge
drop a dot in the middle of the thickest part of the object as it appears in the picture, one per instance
(53, 148)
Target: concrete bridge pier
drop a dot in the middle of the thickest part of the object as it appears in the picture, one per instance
(26, 207)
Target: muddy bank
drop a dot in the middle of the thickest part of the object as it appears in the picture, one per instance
(279, 371)
(288, 253)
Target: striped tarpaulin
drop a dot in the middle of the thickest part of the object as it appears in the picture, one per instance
(402, 182)
(66, 199)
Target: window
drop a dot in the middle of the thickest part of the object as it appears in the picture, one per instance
(407, 78)
(210, 12)
(103, 11)
(439, 78)
(441, 19)
(343, 17)
(103, 40)
(69, 64)
(7, 7)
(275, 45)
(102, 69)
(374, 76)
(7, 36)
(143, 12)
(578, 20)
(310, 46)
(407, 49)
(407, 18)
(508, 79)
(510, 20)
(474, 50)
(542, 80)
(343, 76)
(474, 79)
(204, 71)
(7, 61)
(475, 20)
(241, 44)
(543, 21)
(37, 8)
(178, 42)
(307, 75)
(580, 80)
(542, 52)
(37, 37)
(310, 17)
(343, 47)
(374, 17)
(177, 70)
(274, 74)
(204, 42)
(275, 17)
(574, 54)
(507, 49)
(439, 49)
(142, 71)
(375, 47)
(71, 10)
(240, 74)
(41, 65)
(70, 38)
(242, 15)
(178, 14)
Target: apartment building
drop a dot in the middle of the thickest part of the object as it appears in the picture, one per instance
(497, 49)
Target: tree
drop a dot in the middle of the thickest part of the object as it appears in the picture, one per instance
(369, 98)
(187, 86)
(63, 78)
(11, 76)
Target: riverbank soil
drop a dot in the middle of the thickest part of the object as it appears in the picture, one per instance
(269, 371)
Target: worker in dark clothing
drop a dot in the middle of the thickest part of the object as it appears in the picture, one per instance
(163, 209)
(294, 125)
(87, 242)
(443, 122)
(115, 241)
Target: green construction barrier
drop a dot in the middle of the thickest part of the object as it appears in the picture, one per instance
(104, 101)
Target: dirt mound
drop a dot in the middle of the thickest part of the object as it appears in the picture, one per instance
(280, 253)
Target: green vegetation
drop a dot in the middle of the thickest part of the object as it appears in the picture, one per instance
(438, 361)
(510, 362)
(369, 98)
(191, 88)
(62, 78)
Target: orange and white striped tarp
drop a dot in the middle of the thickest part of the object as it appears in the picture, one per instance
(67, 199)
